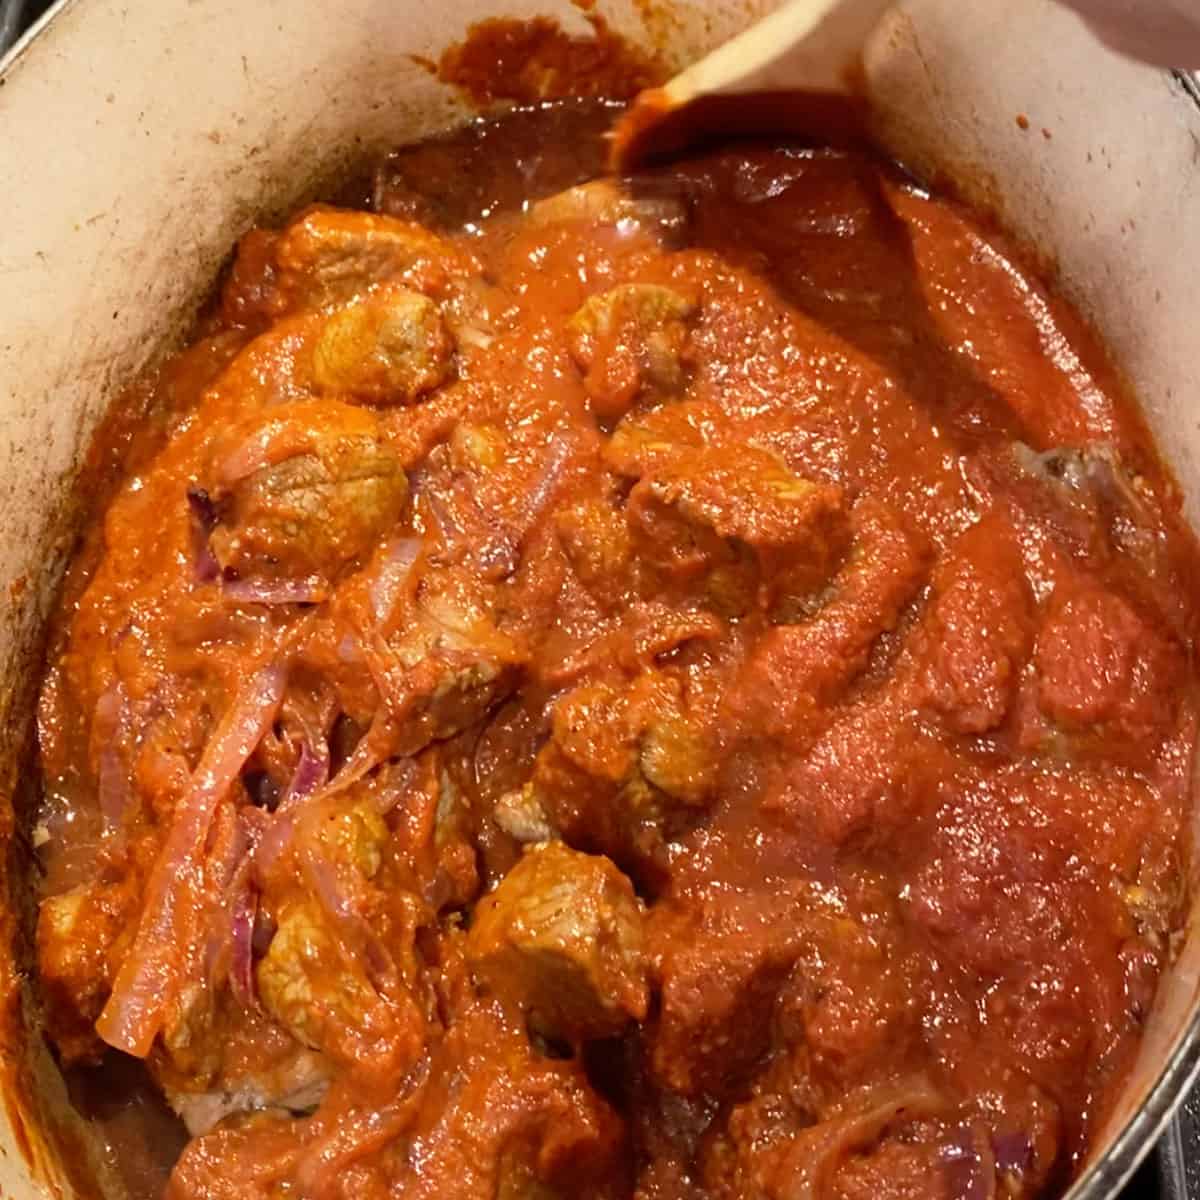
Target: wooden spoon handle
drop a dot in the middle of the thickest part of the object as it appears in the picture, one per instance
(815, 45)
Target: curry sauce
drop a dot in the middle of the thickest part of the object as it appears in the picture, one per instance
(676, 687)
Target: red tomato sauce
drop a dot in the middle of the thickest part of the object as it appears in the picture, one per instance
(678, 687)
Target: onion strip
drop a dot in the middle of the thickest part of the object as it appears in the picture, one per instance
(815, 1156)
(148, 980)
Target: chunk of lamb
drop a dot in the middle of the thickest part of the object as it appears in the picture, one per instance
(276, 367)
(242, 1159)
(661, 436)
(492, 1117)
(330, 255)
(1096, 509)
(340, 971)
(272, 1073)
(735, 522)
(561, 939)
(523, 817)
(867, 779)
(795, 672)
(1077, 489)
(719, 960)
(625, 770)
(323, 997)
(388, 346)
(413, 651)
(664, 216)
(301, 490)
(449, 663)
(482, 495)
(998, 893)
(75, 934)
(595, 537)
(504, 1120)
(631, 343)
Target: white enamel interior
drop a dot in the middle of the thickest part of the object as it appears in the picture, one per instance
(137, 141)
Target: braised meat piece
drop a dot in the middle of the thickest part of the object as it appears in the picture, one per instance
(630, 343)
(389, 346)
(301, 490)
(624, 771)
(561, 939)
(758, 534)
(660, 213)
(328, 255)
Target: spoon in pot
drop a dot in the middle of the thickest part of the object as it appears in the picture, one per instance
(795, 71)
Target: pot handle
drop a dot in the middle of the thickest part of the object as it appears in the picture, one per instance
(1178, 1153)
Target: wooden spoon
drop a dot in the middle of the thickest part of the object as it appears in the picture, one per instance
(794, 72)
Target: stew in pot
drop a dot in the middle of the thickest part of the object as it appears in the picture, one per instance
(678, 687)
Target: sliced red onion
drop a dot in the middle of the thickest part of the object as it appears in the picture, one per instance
(1013, 1151)
(114, 791)
(343, 906)
(275, 591)
(311, 773)
(204, 520)
(349, 650)
(500, 555)
(149, 976)
(377, 658)
(375, 746)
(255, 822)
(241, 960)
(394, 787)
(311, 783)
(449, 528)
(970, 1166)
(817, 1153)
(275, 840)
(226, 871)
(395, 566)
(561, 446)
(271, 443)
(228, 848)
(322, 875)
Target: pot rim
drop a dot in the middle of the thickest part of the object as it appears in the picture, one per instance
(1104, 1175)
